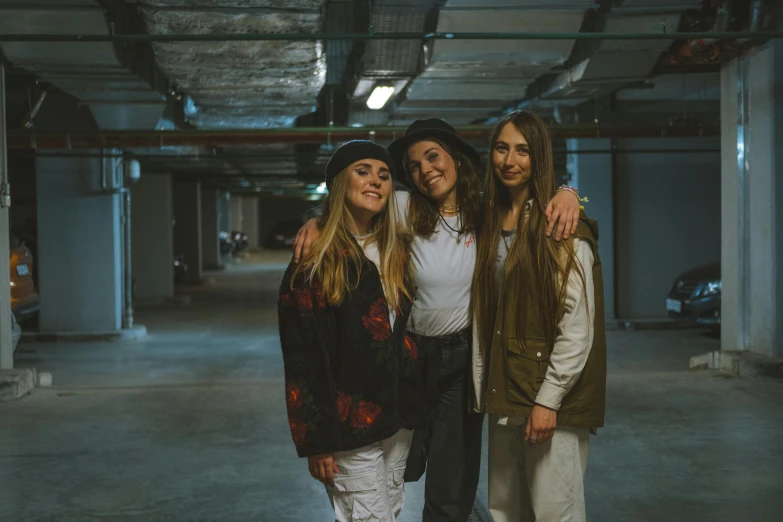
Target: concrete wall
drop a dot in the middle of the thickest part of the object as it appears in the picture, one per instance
(153, 237)
(274, 209)
(236, 216)
(250, 220)
(187, 227)
(591, 173)
(210, 226)
(668, 218)
(79, 247)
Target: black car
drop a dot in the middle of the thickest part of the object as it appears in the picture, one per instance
(226, 243)
(695, 296)
(283, 234)
(240, 241)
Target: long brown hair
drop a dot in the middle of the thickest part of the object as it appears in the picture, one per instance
(542, 265)
(335, 251)
(424, 212)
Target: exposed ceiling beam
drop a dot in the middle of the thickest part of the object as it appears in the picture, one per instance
(256, 37)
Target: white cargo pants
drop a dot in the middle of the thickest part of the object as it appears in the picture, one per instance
(536, 482)
(369, 485)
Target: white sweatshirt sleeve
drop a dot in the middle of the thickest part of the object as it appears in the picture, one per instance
(573, 344)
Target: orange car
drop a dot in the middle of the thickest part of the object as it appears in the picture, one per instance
(25, 300)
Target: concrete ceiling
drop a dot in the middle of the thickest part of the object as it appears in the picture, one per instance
(265, 84)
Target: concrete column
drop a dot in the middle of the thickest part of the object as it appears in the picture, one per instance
(153, 238)
(187, 227)
(236, 216)
(80, 263)
(210, 227)
(752, 204)
(592, 173)
(250, 221)
(224, 211)
(6, 342)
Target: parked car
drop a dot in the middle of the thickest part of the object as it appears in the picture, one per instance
(180, 268)
(695, 296)
(240, 241)
(283, 234)
(25, 300)
(226, 244)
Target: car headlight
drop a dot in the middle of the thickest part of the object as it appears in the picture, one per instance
(711, 288)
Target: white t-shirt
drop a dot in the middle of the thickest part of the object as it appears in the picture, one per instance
(444, 266)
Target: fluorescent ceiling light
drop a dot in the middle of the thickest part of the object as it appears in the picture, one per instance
(380, 95)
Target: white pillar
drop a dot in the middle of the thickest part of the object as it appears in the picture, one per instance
(592, 173)
(250, 221)
(187, 227)
(80, 262)
(752, 217)
(210, 226)
(153, 237)
(236, 217)
(6, 343)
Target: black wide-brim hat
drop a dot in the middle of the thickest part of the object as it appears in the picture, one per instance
(426, 129)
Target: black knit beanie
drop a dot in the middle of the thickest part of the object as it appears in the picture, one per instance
(352, 152)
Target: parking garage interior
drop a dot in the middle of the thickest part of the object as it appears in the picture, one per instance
(157, 158)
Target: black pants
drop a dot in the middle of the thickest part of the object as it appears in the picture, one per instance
(451, 441)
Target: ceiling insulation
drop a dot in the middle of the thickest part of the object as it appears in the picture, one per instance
(240, 84)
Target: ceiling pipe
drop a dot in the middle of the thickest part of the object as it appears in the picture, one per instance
(256, 37)
(321, 135)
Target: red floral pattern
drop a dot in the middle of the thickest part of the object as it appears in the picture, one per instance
(411, 348)
(344, 403)
(364, 414)
(286, 299)
(318, 290)
(293, 396)
(298, 431)
(304, 300)
(377, 321)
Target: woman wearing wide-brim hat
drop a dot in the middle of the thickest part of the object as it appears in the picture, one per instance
(443, 211)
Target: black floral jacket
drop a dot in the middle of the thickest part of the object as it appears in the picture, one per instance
(350, 378)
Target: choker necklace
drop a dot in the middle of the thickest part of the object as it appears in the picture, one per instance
(450, 210)
(361, 237)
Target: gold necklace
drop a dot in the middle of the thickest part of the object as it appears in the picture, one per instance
(450, 210)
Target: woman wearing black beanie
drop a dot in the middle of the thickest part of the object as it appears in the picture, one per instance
(353, 384)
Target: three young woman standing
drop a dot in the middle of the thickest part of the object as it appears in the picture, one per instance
(445, 211)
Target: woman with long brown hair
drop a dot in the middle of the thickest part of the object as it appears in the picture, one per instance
(443, 210)
(352, 382)
(541, 360)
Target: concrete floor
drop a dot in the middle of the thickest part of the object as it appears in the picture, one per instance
(189, 425)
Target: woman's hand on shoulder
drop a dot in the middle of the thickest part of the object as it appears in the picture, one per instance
(304, 239)
(562, 213)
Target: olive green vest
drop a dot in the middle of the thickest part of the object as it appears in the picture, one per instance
(517, 365)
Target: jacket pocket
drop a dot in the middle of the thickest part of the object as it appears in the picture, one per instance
(526, 364)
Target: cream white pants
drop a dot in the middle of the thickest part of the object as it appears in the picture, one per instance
(536, 482)
(369, 485)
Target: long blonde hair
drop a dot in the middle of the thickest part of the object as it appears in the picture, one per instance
(335, 255)
(542, 264)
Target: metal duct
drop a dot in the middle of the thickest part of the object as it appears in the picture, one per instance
(400, 58)
(393, 62)
(657, 7)
(120, 90)
(467, 80)
(240, 84)
(616, 63)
